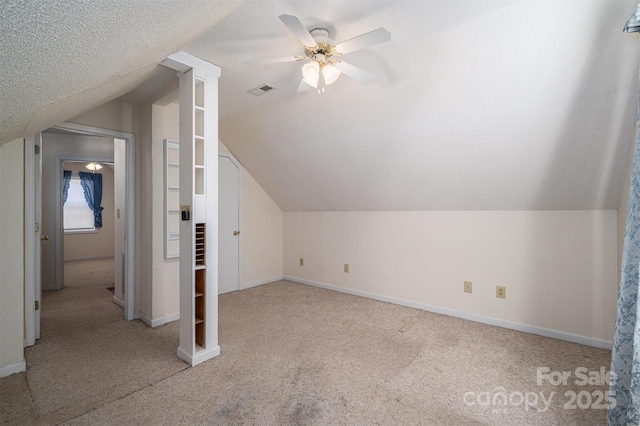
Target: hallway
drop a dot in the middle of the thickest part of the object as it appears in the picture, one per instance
(88, 355)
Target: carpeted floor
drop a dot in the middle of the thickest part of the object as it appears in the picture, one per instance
(292, 354)
(95, 272)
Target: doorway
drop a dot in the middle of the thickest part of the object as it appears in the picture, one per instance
(33, 204)
(229, 241)
(89, 255)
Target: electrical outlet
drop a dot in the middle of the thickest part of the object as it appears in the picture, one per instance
(468, 287)
(501, 292)
(302, 261)
(346, 268)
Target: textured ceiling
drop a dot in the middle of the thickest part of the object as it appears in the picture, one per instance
(479, 104)
(59, 59)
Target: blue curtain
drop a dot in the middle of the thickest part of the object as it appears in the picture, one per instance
(92, 188)
(66, 174)
(625, 357)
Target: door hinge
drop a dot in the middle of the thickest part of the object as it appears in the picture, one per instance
(37, 227)
(37, 305)
(37, 147)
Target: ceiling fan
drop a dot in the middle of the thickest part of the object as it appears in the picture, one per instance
(325, 65)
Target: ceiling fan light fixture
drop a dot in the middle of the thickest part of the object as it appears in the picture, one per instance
(330, 74)
(311, 74)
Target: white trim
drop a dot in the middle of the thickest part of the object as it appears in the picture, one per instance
(183, 62)
(172, 317)
(80, 231)
(8, 370)
(130, 202)
(118, 301)
(261, 282)
(198, 357)
(97, 256)
(236, 163)
(554, 334)
(30, 241)
(159, 321)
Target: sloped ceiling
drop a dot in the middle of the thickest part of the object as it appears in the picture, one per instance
(479, 104)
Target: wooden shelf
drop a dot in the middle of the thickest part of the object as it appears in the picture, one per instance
(200, 285)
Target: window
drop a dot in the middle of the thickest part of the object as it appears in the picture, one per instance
(77, 214)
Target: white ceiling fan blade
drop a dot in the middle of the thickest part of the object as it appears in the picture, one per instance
(298, 29)
(355, 72)
(371, 38)
(275, 60)
(303, 87)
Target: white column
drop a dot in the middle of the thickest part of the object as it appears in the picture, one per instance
(199, 207)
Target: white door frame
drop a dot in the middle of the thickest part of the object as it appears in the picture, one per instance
(59, 211)
(32, 225)
(235, 161)
(130, 223)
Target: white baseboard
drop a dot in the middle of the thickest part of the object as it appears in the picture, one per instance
(159, 321)
(8, 370)
(555, 334)
(118, 301)
(198, 357)
(261, 282)
(172, 318)
(98, 256)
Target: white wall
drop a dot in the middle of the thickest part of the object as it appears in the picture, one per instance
(261, 233)
(559, 267)
(54, 148)
(11, 258)
(99, 243)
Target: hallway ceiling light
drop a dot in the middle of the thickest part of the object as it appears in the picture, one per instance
(93, 166)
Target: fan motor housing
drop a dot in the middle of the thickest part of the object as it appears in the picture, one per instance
(324, 50)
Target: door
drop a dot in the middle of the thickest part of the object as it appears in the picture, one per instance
(228, 225)
(39, 238)
(32, 237)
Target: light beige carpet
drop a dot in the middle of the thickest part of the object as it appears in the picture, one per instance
(292, 354)
(95, 272)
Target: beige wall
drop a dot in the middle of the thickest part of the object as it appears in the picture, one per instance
(165, 272)
(11, 257)
(559, 267)
(54, 148)
(262, 234)
(113, 115)
(98, 243)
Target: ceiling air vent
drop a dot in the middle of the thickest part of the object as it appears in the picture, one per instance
(261, 90)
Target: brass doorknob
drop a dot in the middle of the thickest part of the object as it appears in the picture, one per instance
(236, 233)
(44, 238)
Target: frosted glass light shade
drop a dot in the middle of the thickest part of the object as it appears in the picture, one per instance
(330, 74)
(93, 166)
(311, 74)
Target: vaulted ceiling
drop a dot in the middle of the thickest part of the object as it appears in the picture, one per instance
(479, 104)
